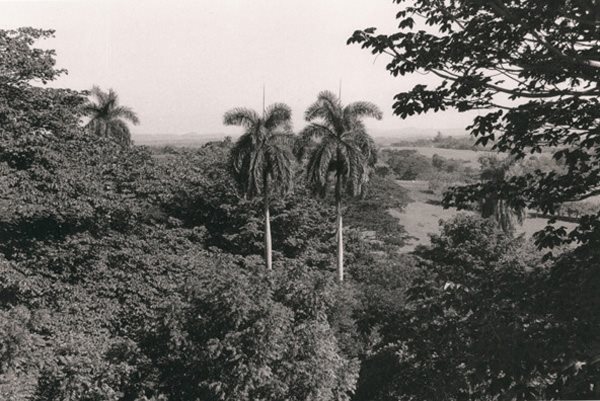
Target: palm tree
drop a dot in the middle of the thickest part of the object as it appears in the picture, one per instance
(108, 118)
(261, 161)
(506, 213)
(345, 149)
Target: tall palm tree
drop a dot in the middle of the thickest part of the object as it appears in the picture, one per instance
(261, 161)
(108, 118)
(344, 149)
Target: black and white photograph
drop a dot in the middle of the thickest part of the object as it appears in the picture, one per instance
(299, 200)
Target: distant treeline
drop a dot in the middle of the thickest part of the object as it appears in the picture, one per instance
(443, 173)
(445, 142)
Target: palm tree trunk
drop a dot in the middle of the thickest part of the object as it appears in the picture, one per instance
(268, 246)
(340, 231)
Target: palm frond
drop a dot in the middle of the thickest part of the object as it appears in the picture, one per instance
(240, 158)
(241, 117)
(315, 111)
(329, 101)
(317, 169)
(306, 136)
(285, 139)
(356, 174)
(99, 94)
(120, 131)
(107, 101)
(357, 110)
(366, 144)
(280, 167)
(126, 113)
(90, 109)
(278, 115)
(256, 173)
(243, 143)
(315, 130)
(327, 108)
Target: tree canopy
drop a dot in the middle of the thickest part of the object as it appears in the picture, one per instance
(532, 66)
(344, 146)
(134, 273)
(25, 106)
(264, 149)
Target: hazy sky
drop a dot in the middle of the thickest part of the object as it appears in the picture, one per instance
(182, 63)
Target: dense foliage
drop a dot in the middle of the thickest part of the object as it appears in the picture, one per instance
(25, 108)
(486, 319)
(134, 274)
(533, 67)
(408, 164)
(442, 142)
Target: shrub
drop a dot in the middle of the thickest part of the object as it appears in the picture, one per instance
(236, 338)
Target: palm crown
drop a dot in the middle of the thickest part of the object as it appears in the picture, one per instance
(262, 155)
(108, 118)
(345, 147)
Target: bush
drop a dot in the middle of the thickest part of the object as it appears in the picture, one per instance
(408, 164)
(88, 368)
(236, 338)
(371, 212)
(442, 181)
(441, 163)
(487, 318)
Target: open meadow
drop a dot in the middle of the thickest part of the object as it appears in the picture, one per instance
(422, 215)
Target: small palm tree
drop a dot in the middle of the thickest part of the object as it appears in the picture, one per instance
(345, 149)
(108, 118)
(261, 161)
(507, 214)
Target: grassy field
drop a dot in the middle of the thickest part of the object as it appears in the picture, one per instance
(471, 157)
(422, 216)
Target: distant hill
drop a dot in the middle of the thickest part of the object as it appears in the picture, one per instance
(382, 137)
(190, 139)
(389, 136)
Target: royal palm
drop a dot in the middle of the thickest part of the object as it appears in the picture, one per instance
(261, 160)
(344, 149)
(108, 118)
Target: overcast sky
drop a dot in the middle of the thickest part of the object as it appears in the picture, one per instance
(182, 63)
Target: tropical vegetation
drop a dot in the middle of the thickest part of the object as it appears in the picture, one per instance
(131, 273)
(261, 160)
(344, 149)
(107, 118)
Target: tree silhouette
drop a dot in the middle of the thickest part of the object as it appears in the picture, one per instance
(108, 118)
(345, 150)
(530, 69)
(261, 161)
(494, 172)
